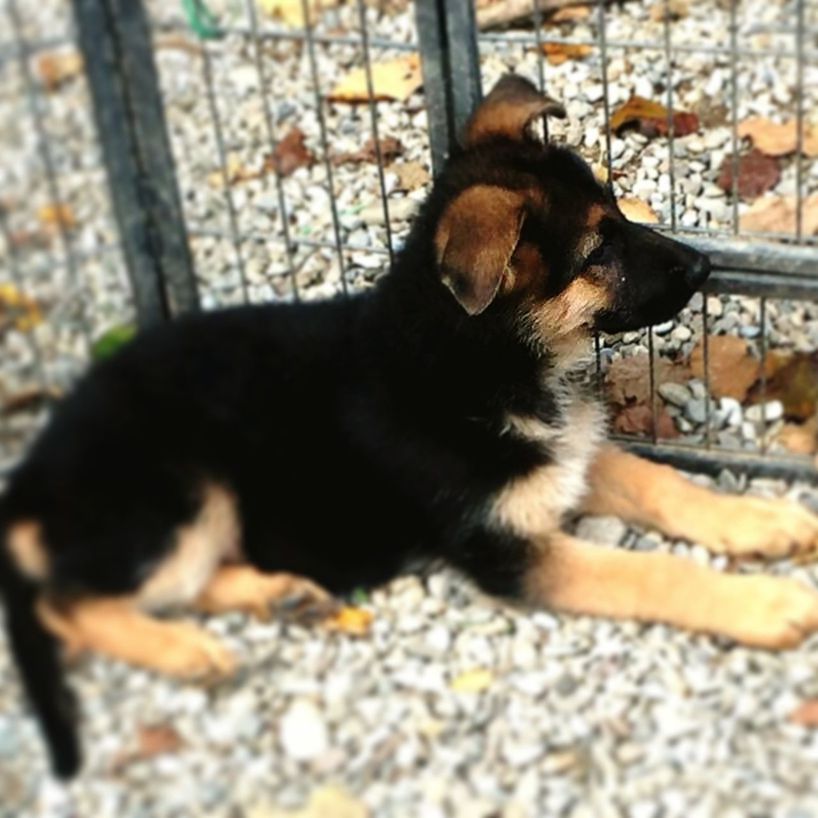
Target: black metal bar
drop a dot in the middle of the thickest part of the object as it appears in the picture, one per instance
(714, 461)
(464, 61)
(430, 18)
(114, 37)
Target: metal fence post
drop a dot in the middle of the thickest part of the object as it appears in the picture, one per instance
(114, 37)
(447, 34)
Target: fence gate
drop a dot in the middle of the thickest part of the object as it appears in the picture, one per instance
(298, 192)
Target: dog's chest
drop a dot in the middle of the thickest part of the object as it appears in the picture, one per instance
(535, 504)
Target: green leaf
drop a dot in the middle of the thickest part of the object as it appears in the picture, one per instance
(111, 340)
(202, 21)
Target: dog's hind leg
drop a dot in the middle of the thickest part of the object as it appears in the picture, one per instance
(117, 628)
(566, 574)
(657, 496)
(244, 588)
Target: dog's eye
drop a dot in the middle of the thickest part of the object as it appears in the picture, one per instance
(599, 256)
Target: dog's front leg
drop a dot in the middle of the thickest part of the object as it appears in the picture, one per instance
(567, 574)
(657, 496)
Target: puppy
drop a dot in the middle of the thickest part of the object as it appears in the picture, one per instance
(432, 419)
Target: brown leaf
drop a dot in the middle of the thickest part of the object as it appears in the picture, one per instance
(290, 154)
(411, 175)
(732, 368)
(636, 210)
(22, 239)
(668, 9)
(394, 79)
(650, 118)
(390, 148)
(628, 379)
(777, 214)
(151, 741)
(778, 139)
(757, 173)
(28, 400)
(558, 53)
(351, 621)
(291, 12)
(56, 68)
(806, 714)
(57, 215)
(794, 381)
(638, 420)
(570, 14)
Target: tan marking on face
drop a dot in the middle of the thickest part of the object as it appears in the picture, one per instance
(211, 539)
(535, 504)
(26, 547)
(573, 308)
(596, 213)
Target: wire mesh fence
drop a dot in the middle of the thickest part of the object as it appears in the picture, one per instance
(302, 140)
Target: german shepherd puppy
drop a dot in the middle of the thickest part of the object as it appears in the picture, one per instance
(214, 460)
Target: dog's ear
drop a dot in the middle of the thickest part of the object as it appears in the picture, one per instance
(509, 111)
(474, 242)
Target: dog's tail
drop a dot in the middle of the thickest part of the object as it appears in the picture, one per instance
(37, 656)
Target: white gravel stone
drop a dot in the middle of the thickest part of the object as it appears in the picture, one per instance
(303, 732)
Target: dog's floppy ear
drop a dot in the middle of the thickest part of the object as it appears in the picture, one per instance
(474, 241)
(509, 111)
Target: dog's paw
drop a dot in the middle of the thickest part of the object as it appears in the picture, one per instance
(757, 526)
(190, 653)
(769, 612)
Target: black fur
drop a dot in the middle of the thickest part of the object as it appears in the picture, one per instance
(359, 436)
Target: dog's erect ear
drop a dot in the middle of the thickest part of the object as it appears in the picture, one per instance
(475, 240)
(509, 111)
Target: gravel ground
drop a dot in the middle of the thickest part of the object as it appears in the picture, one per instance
(579, 717)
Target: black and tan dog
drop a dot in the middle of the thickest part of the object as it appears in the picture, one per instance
(432, 419)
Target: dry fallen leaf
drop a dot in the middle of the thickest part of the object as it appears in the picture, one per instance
(778, 139)
(326, 802)
(151, 741)
(351, 621)
(668, 9)
(638, 420)
(558, 53)
(651, 119)
(472, 681)
(757, 173)
(290, 154)
(732, 368)
(58, 67)
(30, 399)
(636, 210)
(806, 714)
(394, 79)
(628, 379)
(777, 214)
(18, 310)
(792, 379)
(56, 216)
(390, 149)
(291, 12)
(570, 14)
(411, 175)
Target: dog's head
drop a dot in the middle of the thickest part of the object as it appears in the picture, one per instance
(524, 229)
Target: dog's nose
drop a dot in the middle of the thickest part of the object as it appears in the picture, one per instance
(697, 271)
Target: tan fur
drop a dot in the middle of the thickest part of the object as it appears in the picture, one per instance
(574, 308)
(201, 547)
(117, 628)
(243, 588)
(763, 611)
(535, 504)
(654, 495)
(25, 545)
